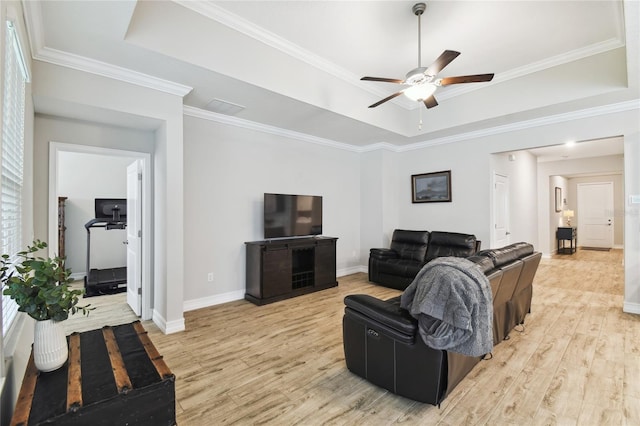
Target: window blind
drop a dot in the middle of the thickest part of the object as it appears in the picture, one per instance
(11, 166)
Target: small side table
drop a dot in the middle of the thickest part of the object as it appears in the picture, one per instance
(567, 234)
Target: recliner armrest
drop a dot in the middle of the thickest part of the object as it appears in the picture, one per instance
(384, 312)
(383, 253)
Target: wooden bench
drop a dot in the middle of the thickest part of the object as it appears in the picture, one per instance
(114, 376)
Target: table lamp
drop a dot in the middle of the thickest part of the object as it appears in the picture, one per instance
(568, 214)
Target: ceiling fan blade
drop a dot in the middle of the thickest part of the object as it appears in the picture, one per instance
(478, 78)
(430, 102)
(388, 98)
(443, 60)
(385, 80)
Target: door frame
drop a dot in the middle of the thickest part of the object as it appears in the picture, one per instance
(55, 148)
(580, 186)
(134, 236)
(493, 241)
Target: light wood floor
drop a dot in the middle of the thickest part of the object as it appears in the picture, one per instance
(577, 362)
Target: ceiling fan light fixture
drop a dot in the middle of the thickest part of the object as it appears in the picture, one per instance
(420, 92)
(422, 81)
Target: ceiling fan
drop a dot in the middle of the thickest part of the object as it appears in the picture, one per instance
(422, 81)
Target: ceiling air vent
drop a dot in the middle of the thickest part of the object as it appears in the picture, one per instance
(223, 107)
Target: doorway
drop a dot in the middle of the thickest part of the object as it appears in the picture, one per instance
(501, 233)
(56, 150)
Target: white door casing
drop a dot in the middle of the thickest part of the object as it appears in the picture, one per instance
(501, 234)
(595, 214)
(134, 236)
(55, 148)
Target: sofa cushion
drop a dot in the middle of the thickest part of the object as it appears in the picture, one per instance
(383, 253)
(450, 244)
(500, 256)
(389, 314)
(484, 263)
(410, 245)
(522, 249)
(400, 267)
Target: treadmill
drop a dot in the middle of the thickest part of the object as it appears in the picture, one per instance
(111, 213)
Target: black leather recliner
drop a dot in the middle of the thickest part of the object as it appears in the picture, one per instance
(409, 251)
(382, 342)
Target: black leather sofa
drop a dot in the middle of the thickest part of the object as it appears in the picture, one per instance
(398, 265)
(382, 343)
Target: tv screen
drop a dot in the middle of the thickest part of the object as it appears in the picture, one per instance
(112, 209)
(292, 215)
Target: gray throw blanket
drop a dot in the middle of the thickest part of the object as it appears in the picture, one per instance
(451, 299)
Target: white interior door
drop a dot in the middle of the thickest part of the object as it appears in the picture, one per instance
(501, 234)
(134, 236)
(595, 214)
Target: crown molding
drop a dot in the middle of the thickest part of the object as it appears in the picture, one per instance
(522, 125)
(527, 124)
(542, 65)
(33, 18)
(264, 128)
(126, 75)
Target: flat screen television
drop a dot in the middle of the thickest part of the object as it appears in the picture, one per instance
(112, 209)
(288, 215)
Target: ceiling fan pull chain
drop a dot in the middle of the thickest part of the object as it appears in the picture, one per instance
(420, 122)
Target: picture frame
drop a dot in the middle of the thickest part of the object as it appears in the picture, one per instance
(558, 199)
(431, 187)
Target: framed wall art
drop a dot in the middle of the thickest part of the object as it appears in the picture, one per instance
(431, 187)
(558, 199)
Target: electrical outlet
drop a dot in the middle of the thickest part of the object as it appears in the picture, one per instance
(210, 276)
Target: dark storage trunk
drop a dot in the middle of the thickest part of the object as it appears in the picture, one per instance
(114, 376)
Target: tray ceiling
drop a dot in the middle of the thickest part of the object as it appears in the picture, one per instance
(296, 65)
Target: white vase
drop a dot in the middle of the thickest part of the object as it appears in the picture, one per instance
(50, 350)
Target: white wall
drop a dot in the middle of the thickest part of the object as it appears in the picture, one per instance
(83, 178)
(632, 223)
(227, 170)
(55, 129)
(522, 173)
(104, 98)
(378, 201)
(469, 210)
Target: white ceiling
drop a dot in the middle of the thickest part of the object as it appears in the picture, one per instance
(296, 65)
(572, 150)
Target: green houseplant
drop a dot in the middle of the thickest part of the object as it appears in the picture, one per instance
(40, 287)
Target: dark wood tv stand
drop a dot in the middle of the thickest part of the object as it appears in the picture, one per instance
(280, 269)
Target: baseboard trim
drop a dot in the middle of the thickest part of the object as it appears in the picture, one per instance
(232, 296)
(631, 308)
(218, 299)
(168, 327)
(77, 276)
(350, 270)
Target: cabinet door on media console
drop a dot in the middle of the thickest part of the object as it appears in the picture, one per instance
(276, 270)
(325, 263)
